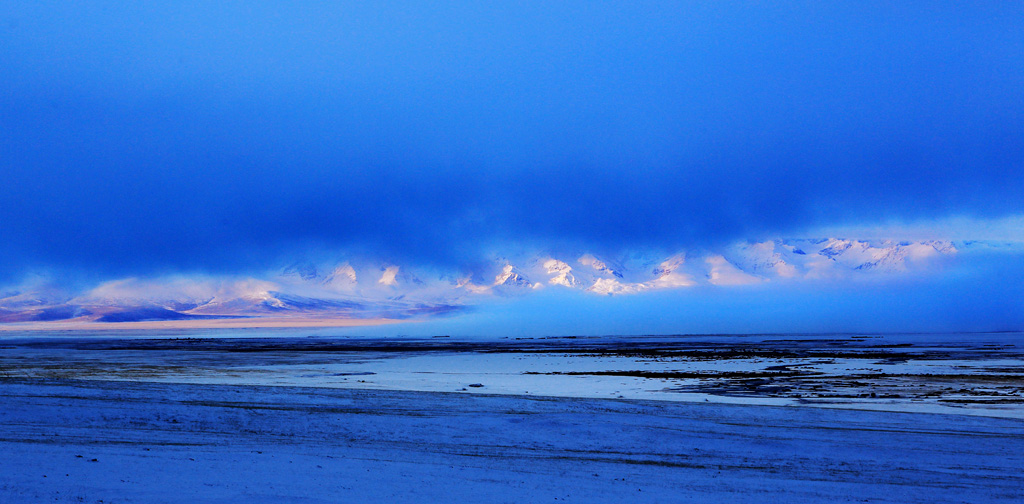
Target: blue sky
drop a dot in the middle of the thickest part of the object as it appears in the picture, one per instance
(215, 138)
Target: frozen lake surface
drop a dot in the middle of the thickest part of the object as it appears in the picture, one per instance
(802, 418)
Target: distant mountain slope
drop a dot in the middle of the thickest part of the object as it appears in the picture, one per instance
(366, 287)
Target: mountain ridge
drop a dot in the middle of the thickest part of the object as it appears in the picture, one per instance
(363, 288)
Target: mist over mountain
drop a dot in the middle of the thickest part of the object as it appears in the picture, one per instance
(366, 288)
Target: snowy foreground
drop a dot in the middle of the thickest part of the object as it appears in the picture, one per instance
(339, 420)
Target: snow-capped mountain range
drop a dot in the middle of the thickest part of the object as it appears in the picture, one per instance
(367, 288)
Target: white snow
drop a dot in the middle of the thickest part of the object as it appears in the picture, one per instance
(613, 286)
(562, 273)
(343, 277)
(724, 273)
(92, 442)
(388, 276)
(763, 259)
(511, 277)
(598, 265)
(781, 262)
(124, 422)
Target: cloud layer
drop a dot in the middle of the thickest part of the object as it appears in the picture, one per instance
(143, 139)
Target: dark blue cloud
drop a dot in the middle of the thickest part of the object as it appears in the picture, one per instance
(216, 138)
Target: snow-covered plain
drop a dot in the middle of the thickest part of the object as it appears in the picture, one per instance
(649, 419)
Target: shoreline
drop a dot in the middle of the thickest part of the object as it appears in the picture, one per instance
(948, 375)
